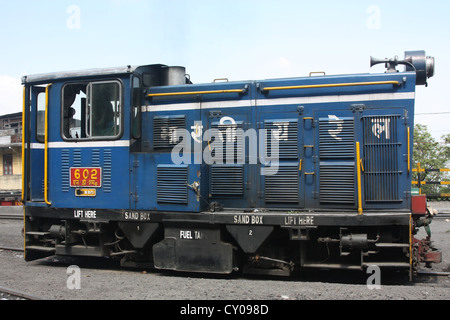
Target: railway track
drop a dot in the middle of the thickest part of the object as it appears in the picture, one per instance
(11, 294)
(11, 249)
(9, 216)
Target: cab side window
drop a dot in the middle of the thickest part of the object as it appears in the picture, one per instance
(92, 110)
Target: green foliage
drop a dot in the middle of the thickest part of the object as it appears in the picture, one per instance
(431, 155)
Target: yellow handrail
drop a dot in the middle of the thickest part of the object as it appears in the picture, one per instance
(409, 150)
(23, 143)
(167, 94)
(46, 148)
(358, 170)
(332, 85)
(23, 167)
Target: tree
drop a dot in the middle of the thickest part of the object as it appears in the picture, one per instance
(431, 155)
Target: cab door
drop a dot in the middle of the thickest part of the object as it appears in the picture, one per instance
(35, 143)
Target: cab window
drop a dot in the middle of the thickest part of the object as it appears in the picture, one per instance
(92, 110)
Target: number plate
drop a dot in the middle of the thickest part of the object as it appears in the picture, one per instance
(86, 177)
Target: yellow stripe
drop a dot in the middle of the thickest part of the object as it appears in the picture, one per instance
(331, 85)
(46, 148)
(166, 94)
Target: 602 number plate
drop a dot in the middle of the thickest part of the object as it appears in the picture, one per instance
(86, 177)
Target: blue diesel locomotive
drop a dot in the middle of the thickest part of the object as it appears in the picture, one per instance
(265, 177)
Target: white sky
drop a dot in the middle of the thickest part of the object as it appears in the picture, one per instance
(237, 39)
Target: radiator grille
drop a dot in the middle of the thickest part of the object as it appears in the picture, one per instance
(172, 184)
(381, 158)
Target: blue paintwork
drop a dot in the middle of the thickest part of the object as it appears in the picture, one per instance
(134, 175)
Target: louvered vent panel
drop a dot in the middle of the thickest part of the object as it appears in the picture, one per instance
(337, 139)
(107, 170)
(381, 154)
(337, 182)
(227, 180)
(227, 142)
(285, 134)
(282, 187)
(96, 157)
(172, 184)
(65, 168)
(165, 130)
(76, 158)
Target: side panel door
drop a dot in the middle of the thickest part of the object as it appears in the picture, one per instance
(335, 184)
(281, 153)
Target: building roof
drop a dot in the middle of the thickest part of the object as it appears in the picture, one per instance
(11, 115)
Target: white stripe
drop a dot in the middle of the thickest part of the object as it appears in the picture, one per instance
(82, 144)
(279, 101)
(37, 146)
(337, 98)
(198, 106)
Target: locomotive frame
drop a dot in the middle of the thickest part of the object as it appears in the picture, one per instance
(264, 176)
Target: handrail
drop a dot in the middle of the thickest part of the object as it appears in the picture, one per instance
(409, 149)
(23, 143)
(168, 94)
(331, 85)
(46, 148)
(358, 170)
(24, 126)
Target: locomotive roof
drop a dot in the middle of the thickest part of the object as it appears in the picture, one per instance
(46, 77)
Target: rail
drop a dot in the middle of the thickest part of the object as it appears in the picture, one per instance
(19, 294)
(187, 93)
(421, 182)
(332, 85)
